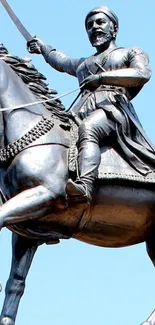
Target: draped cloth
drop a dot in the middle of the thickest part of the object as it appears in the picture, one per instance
(130, 141)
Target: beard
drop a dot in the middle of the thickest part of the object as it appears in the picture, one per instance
(100, 39)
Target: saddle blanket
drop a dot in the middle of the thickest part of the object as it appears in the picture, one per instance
(113, 166)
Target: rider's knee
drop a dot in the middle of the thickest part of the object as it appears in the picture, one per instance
(96, 126)
(86, 126)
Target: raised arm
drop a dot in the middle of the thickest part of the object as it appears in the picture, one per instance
(57, 60)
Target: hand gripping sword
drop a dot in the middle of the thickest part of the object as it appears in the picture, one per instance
(16, 21)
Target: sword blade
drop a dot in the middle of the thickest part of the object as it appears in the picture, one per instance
(16, 21)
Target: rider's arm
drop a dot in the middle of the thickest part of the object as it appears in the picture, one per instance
(59, 60)
(137, 73)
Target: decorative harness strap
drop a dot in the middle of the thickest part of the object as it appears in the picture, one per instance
(14, 148)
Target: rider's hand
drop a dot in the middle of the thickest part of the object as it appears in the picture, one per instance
(93, 81)
(34, 45)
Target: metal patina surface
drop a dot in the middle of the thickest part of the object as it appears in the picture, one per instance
(109, 200)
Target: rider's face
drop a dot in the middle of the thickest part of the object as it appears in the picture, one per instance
(99, 29)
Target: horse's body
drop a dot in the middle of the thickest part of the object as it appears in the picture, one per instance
(121, 214)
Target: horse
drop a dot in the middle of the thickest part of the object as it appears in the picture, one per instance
(37, 142)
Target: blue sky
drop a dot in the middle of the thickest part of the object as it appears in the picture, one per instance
(75, 283)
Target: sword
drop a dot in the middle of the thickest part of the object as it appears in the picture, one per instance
(16, 21)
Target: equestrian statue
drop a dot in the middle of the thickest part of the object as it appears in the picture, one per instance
(87, 174)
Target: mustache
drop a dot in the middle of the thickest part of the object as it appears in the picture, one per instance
(99, 33)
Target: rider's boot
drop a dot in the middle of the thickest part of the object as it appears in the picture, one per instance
(88, 162)
(81, 189)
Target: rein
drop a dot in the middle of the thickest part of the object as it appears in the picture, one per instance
(41, 101)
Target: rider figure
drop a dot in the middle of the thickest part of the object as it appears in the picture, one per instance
(111, 78)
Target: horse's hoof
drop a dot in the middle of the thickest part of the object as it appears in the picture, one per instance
(7, 321)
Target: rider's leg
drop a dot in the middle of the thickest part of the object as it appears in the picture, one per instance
(93, 129)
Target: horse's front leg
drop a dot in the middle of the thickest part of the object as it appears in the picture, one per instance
(30, 204)
(27, 205)
(23, 251)
(36, 187)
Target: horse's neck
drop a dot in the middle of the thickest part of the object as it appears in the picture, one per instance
(13, 93)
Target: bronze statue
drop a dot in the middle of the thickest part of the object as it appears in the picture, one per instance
(36, 140)
(109, 79)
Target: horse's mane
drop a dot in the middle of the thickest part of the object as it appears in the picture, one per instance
(36, 83)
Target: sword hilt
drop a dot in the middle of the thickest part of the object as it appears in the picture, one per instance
(38, 47)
